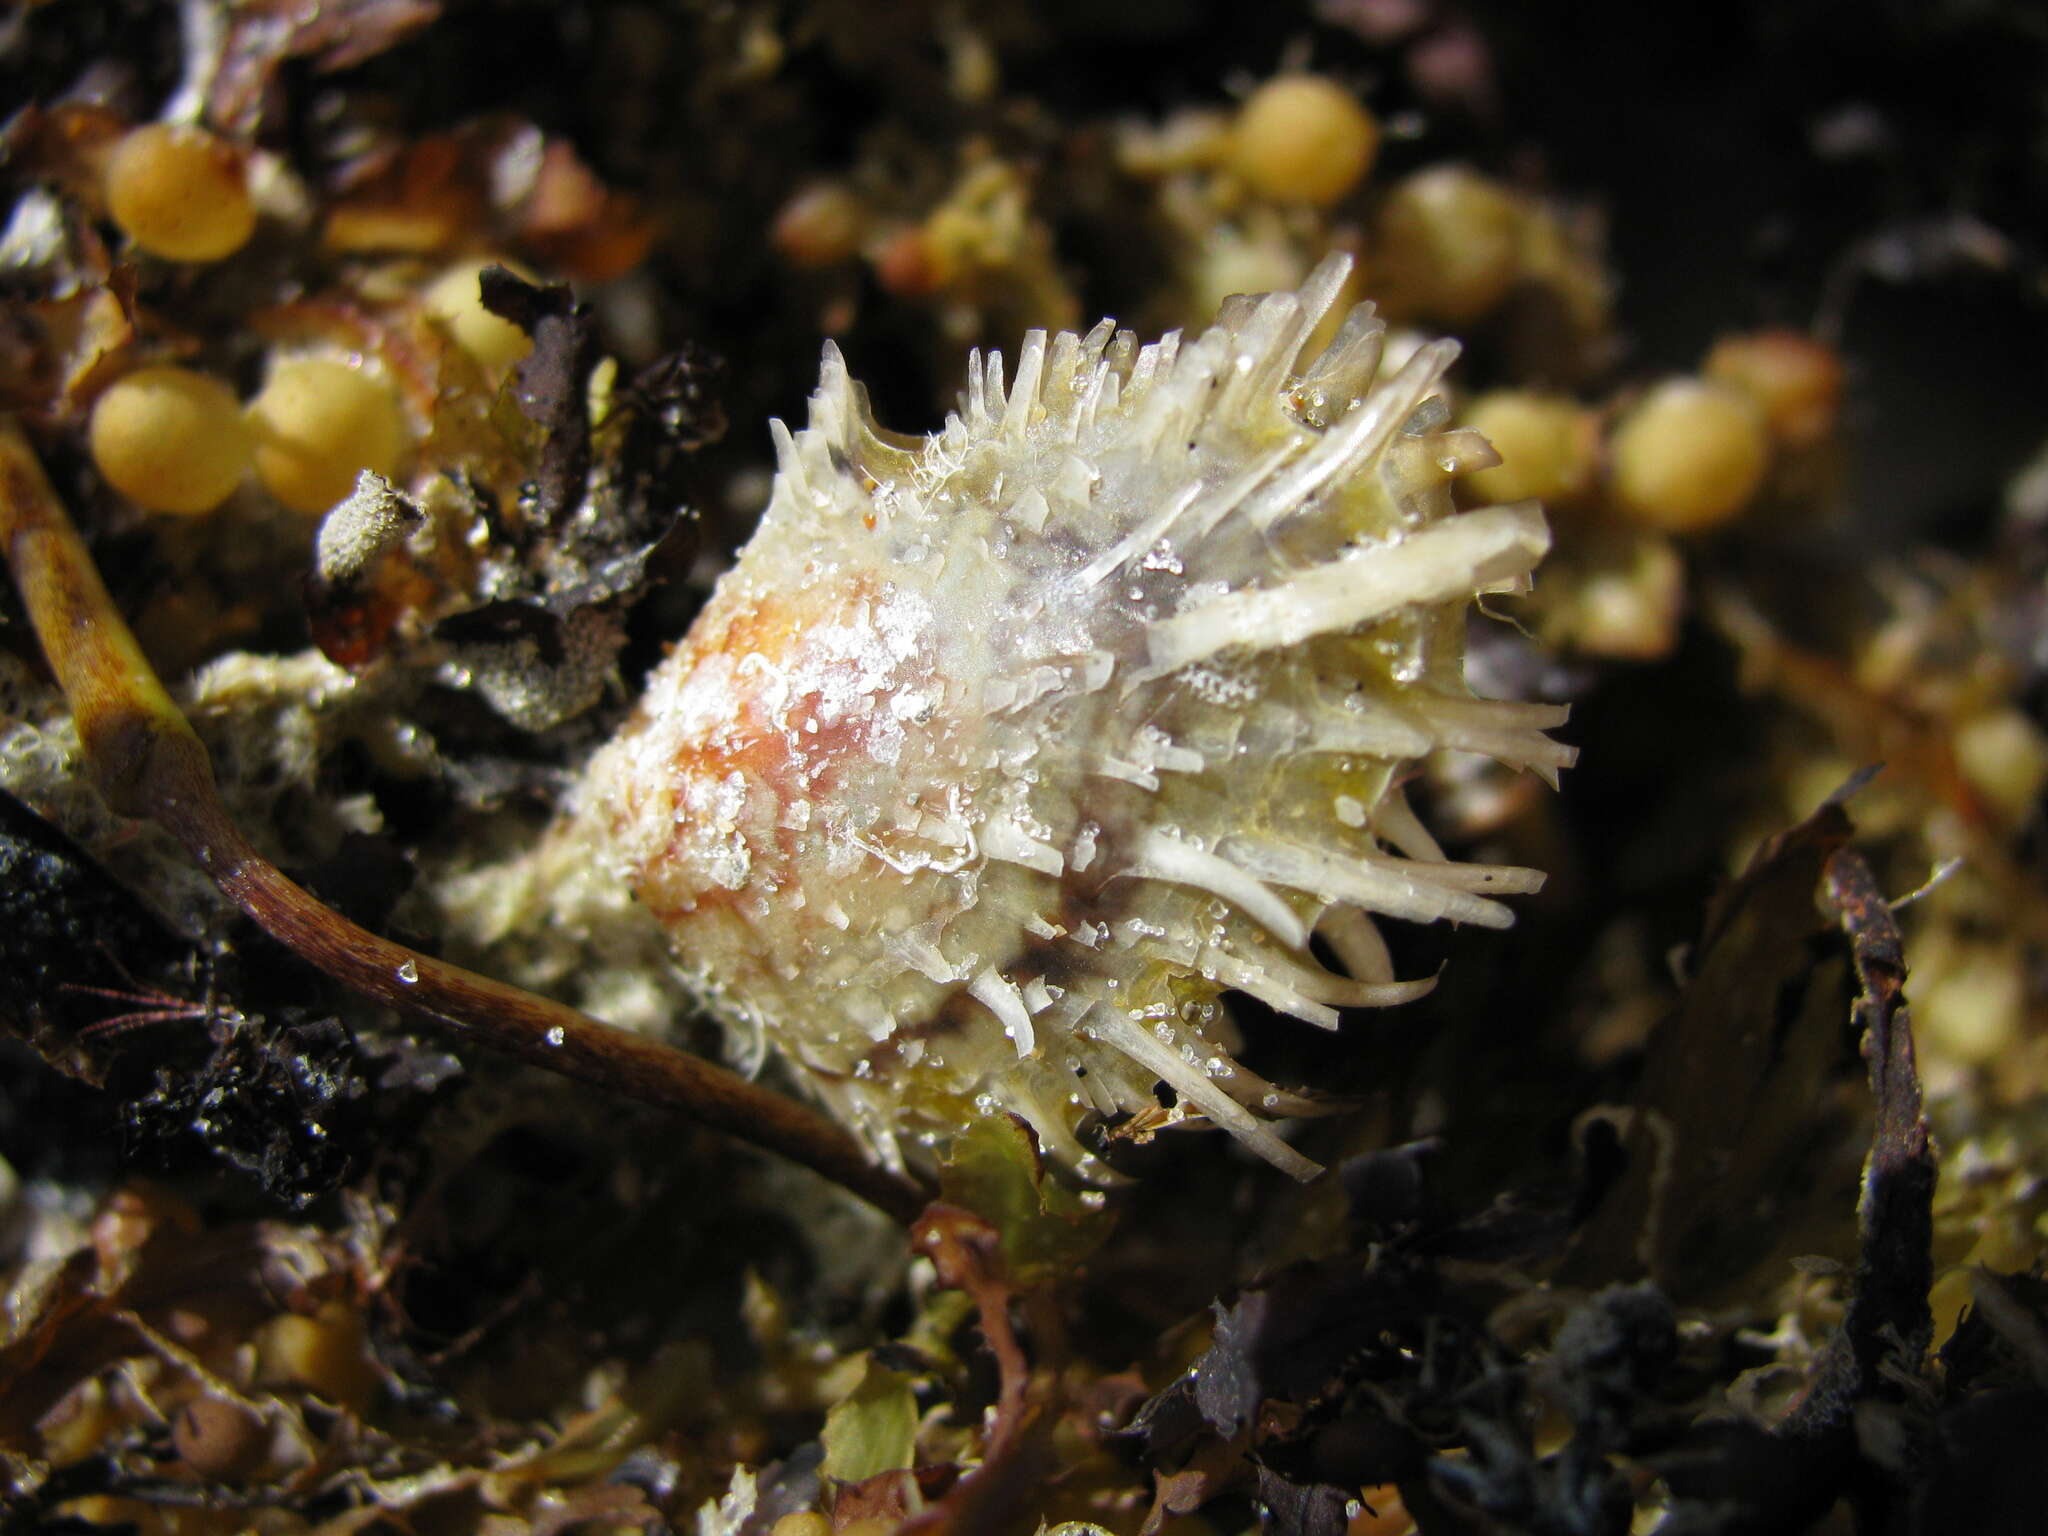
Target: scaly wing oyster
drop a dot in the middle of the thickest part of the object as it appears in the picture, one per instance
(1000, 755)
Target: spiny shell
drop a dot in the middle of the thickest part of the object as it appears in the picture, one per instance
(1000, 755)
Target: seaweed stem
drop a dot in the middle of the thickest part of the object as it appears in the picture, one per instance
(148, 763)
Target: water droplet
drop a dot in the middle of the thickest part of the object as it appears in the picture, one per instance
(557, 1034)
(409, 972)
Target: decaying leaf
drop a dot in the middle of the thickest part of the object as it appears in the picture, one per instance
(872, 1430)
(1741, 1096)
(260, 39)
(994, 1169)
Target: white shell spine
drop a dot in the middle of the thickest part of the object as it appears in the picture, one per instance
(999, 755)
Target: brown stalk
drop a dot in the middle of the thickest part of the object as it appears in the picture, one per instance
(147, 762)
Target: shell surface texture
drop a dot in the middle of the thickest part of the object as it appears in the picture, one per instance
(1000, 755)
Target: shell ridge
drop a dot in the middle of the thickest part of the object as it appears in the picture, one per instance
(1192, 1084)
(1160, 856)
(1361, 435)
(1430, 566)
(1024, 389)
(1377, 885)
(1318, 293)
